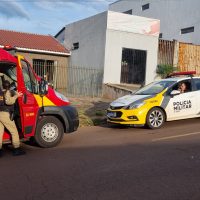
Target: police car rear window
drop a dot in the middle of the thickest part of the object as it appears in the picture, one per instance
(197, 83)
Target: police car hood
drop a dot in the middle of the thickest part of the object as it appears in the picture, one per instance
(128, 99)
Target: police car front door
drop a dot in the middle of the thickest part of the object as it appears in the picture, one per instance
(181, 106)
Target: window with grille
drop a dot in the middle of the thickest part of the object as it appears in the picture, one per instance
(44, 68)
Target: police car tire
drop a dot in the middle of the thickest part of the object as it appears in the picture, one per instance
(149, 120)
(39, 138)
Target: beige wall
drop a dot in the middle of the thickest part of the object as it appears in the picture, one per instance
(62, 60)
(60, 70)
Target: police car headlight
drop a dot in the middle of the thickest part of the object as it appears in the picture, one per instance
(61, 96)
(135, 105)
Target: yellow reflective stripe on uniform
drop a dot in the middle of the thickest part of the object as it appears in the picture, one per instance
(46, 101)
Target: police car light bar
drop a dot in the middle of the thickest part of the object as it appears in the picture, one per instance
(188, 73)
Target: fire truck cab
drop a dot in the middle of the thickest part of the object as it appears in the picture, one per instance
(41, 113)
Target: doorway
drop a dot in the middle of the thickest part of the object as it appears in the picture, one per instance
(133, 67)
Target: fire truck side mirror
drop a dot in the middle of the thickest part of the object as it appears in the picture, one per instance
(43, 87)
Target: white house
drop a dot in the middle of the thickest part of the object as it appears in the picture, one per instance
(179, 19)
(123, 46)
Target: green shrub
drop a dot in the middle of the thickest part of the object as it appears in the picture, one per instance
(164, 70)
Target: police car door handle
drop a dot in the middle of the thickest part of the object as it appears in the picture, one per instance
(25, 98)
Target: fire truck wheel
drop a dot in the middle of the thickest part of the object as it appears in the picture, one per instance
(49, 132)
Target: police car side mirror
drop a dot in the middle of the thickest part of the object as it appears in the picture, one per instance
(175, 92)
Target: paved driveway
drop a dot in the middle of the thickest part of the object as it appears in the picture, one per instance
(105, 163)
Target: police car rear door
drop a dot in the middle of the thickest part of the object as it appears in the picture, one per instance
(183, 105)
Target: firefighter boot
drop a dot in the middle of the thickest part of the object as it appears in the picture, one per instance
(18, 152)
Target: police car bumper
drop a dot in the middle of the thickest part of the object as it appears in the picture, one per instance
(127, 117)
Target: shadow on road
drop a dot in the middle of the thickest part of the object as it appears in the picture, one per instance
(117, 171)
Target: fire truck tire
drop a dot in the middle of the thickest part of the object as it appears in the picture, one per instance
(49, 132)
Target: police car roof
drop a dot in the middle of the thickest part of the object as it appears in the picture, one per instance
(176, 79)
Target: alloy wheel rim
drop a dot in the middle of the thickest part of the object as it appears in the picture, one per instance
(49, 132)
(156, 118)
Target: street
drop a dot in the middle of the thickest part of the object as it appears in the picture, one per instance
(105, 163)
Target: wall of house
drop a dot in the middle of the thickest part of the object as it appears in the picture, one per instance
(90, 34)
(132, 32)
(60, 72)
(115, 41)
(174, 15)
(61, 36)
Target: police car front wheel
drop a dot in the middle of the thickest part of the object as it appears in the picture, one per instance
(155, 118)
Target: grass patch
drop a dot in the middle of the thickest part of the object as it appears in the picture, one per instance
(92, 112)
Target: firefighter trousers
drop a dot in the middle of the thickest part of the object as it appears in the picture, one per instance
(5, 122)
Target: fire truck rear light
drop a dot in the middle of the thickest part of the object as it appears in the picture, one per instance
(7, 47)
(10, 49)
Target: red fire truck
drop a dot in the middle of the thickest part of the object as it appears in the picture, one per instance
(41, 113)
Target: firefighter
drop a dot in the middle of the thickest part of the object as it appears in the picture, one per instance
(7, 100)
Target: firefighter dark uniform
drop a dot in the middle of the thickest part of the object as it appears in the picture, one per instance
(6, 105)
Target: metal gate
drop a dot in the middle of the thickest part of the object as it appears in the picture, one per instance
(133, 68)
(45, 68)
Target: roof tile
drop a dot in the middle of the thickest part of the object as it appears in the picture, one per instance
(31, 41)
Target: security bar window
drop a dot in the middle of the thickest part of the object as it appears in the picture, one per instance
(145, 6)
(187, 30)
(44, 68)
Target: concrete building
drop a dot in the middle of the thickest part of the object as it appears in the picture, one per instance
(123, 46)
(180, 19)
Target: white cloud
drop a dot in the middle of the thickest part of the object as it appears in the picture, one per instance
(46, 16)
(12, 9)
(89, 4)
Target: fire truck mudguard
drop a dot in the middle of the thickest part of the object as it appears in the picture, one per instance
(67, 114)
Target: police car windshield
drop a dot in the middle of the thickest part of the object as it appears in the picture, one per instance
(154, 88)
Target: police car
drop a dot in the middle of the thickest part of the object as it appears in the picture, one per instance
(158, 102)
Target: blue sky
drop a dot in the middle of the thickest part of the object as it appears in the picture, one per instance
(46, 16)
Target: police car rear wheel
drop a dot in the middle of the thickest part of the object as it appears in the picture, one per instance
(49, 132)
(155, 118)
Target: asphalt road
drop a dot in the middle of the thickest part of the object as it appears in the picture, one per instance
(105, 163)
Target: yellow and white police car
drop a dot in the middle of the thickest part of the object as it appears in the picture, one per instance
(160, 101)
